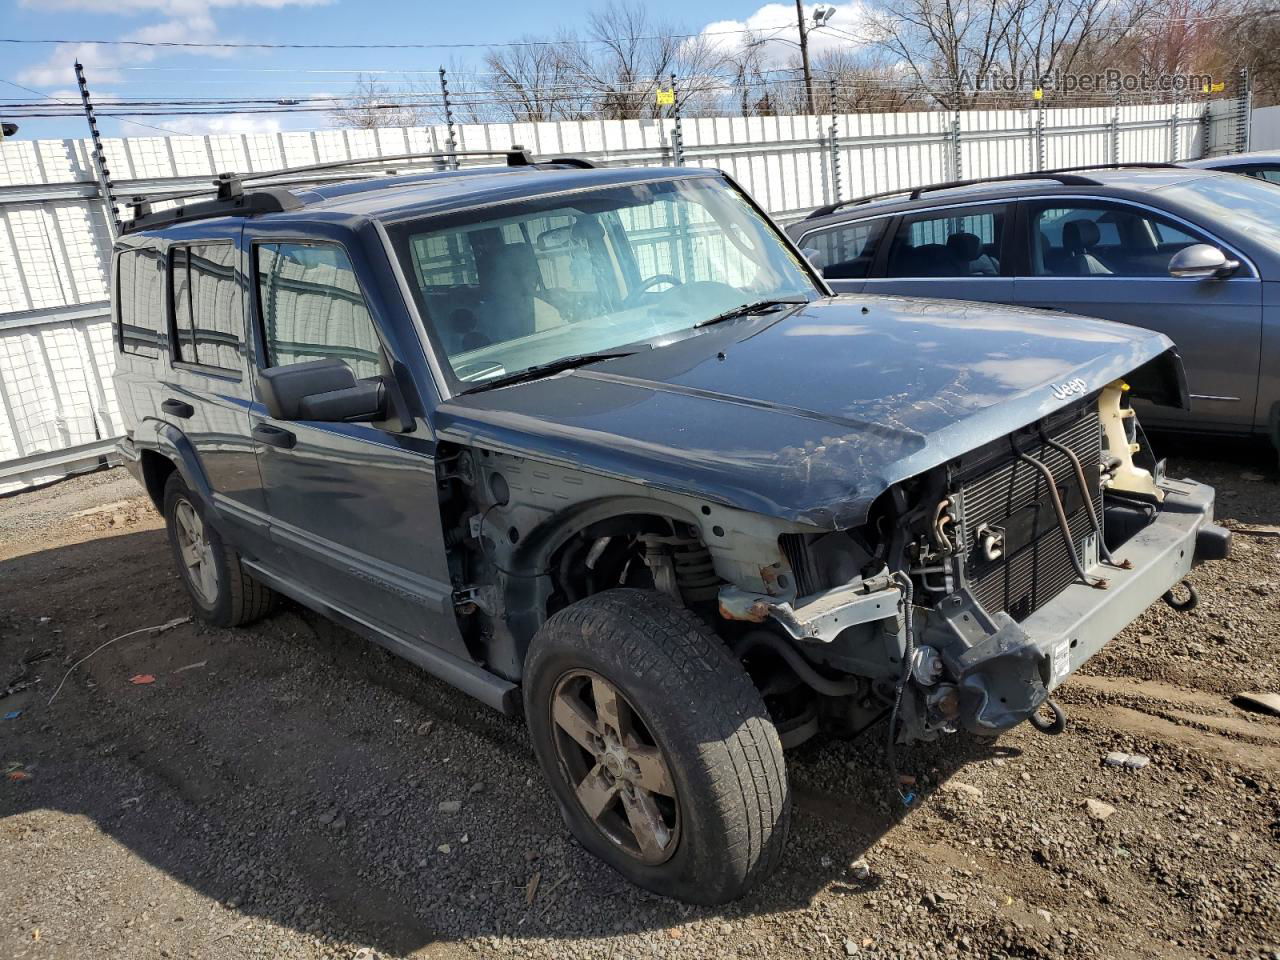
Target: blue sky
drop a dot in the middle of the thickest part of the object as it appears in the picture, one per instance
(141, 72)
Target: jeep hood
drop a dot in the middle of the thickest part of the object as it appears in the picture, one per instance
(811, 414)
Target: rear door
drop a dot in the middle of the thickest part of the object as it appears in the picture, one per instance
(354, 506)
(1110, 259)
(957, 252)
(139, 311)
(205, 390)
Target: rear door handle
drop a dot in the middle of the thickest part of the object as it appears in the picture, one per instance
(274, 436)
(178, 408)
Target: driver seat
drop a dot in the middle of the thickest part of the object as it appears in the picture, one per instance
(509, 279)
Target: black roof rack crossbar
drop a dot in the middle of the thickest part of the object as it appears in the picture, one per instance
(231, 201)
(1067, 176)
(230, 198)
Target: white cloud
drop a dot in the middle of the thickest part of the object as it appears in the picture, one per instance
(234, 123)
(773, 28)
(168, 7)
(184, 21)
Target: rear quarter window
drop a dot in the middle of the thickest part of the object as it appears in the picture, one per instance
(846, 251)
(139, 301)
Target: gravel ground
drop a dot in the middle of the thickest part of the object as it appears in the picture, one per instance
(277, 790)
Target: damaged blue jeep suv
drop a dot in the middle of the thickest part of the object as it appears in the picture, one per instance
(598, 445)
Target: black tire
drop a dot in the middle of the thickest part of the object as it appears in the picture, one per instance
(700, 709)
(235, 598)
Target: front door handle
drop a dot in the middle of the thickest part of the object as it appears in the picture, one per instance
(274, 436)
(178, 408)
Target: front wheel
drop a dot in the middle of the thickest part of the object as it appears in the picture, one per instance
(657, 746)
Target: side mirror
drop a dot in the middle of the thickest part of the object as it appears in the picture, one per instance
(1202, 261)
(324, 390)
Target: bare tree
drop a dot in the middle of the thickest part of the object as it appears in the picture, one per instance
(946, 45)
(619, 65)
(534, 81)
(372, 104)
(1253, 36)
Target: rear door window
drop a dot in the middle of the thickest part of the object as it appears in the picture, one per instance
(964, 242)
(208, 314)
(847, 250)
(140, 301)
(312, 307)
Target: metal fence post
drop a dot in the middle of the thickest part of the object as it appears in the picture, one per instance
(452, 141)
(677, 133)
(1115, 131)
(1244, 110)
(1040, 144)
(1206, 128)
(1173, 132)
(103, 175)
(837, 187)
(957, 160)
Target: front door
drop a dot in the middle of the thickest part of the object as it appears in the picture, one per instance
(1111, 260)
(353, 506)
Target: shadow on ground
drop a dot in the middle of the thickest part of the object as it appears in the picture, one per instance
(294, 772)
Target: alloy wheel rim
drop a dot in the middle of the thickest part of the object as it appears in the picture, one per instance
(619, 774)
(196, 553)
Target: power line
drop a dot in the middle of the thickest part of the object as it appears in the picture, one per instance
(230, 45)
(46, 96)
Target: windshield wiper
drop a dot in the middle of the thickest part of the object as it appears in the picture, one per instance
(758, 306)
(547, 369)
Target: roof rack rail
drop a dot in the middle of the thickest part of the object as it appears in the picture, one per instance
(230, 199)
(1067, 176)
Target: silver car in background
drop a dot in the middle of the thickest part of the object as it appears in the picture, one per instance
(1194, 254)
(1260, 164)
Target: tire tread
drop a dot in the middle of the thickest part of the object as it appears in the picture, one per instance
(744, 767)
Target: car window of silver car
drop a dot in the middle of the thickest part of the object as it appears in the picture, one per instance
(846, 250)
(1100, 239)
(963, 242)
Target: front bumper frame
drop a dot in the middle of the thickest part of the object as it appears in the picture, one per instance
(997, 671)
(1006, 676)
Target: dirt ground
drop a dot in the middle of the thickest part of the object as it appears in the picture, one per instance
(275, 791)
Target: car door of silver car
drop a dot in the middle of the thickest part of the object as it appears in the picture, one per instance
(353, 506)
(957, 253)
(1110, 259)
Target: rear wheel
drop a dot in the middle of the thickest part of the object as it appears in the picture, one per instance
(658, 747)
(221, 591)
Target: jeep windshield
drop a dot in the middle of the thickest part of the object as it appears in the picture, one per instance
(546, 283)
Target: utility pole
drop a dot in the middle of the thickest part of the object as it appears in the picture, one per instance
(804, 55)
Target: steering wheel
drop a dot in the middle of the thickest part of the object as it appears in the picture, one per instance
(631, 298)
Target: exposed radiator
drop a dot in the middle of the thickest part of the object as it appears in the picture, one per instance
(1013, 497)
